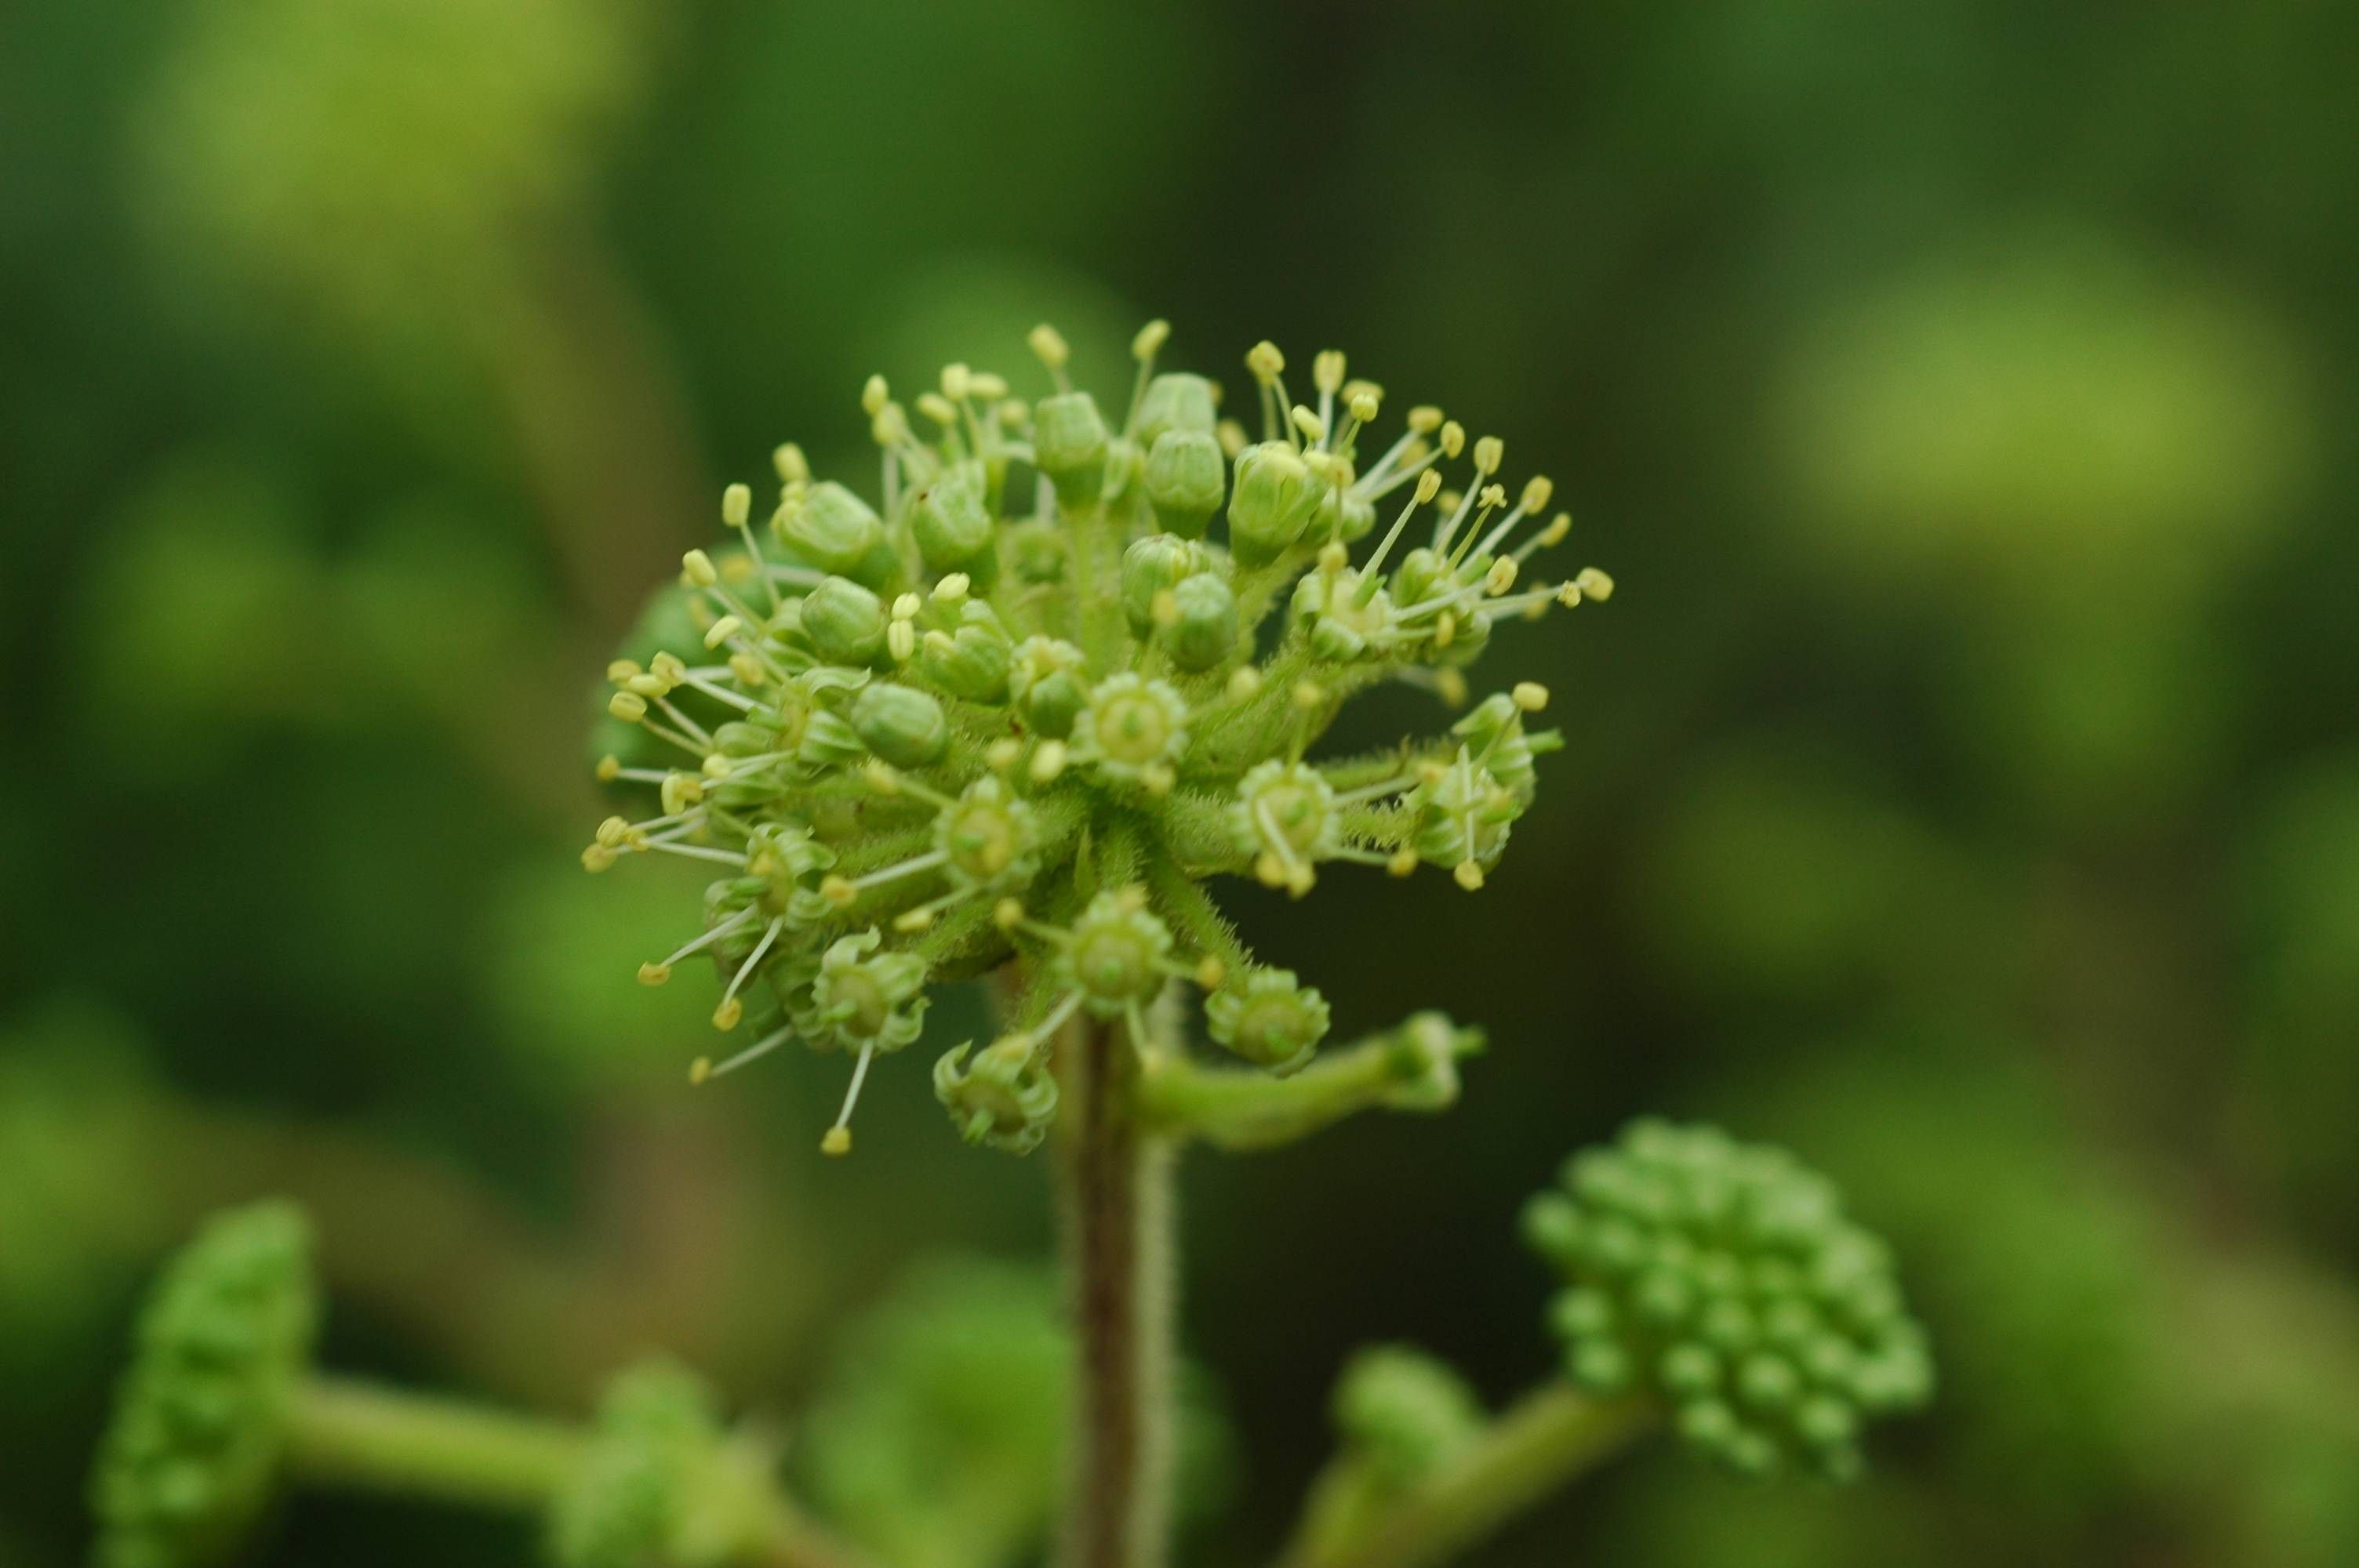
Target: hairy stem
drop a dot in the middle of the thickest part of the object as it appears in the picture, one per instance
(349, 1434)
(1545, 1441)
(1118, 1217)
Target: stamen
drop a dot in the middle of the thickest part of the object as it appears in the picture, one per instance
(703, 1069)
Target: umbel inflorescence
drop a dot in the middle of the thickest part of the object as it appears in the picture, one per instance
(1059, 673)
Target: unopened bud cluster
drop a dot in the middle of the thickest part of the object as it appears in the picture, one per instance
(1023, 697)
(201, 1421)
(1725, 1278)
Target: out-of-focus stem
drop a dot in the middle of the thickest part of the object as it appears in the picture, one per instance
(361, 1435)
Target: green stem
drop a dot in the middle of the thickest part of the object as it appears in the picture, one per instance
(1546, 1440)
(349, 1434)
(1117, 1219)
(1413, 1067)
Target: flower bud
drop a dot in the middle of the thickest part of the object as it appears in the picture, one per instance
(1069, 445)
(1422, 573)
(844, 622)
(829, 740)
(1049, 684)
(1175, 401)
(1186, 480)
(1274, 500)
(1203, 630)
(1404, 1414)
(1268, 1018)
(901, 724)
(951, 521)
(836, 531)
(1150, 567)
(1006, 1099)
(972, 662)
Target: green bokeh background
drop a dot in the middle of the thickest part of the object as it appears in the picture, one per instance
(1962, 787)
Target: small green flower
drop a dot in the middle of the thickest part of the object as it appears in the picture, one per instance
(1285, 817)
(1133, 732)
(1118, 957)
(192, 1457)
(1004, 1098)
(662, 1482)
(1269, 1018)
(1724, 1277)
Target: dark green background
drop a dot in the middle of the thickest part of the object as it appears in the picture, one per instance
(1962, 786)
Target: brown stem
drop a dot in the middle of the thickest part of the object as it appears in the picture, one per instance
(1117, 1228)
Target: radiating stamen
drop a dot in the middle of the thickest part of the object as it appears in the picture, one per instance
(838, 1140)
(703, 1069)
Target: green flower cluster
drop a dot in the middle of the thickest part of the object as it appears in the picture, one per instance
(1023, 703)
(1726, 1279)
(201, 1421)
(661, 1481)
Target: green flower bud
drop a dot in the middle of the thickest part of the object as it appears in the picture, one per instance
(901, 724)
(836, 531)
(1132, 729)
(972, 662)
(863, 998)
(1356, 517)
(951, 522)
(1150, 567)
(1494, 731)
(830, 741)
(1284, 815)
(987, 837)
(661, 1482)
(192, 1455)
(1175, 402)
(1343, 625)
(1205, 626)
(1119, 956)
(1069, 445)
(1268, 1018)
(1272, 504)
(1186, 480)
(1422, 575)
(1049, 684)
(1724, 1277)
(1005, 1100)
(1404, 1414)
(844, 622)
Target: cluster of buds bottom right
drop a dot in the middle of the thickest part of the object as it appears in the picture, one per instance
(1725, 1278)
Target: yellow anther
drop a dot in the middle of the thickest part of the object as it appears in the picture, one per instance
(1001, 754)
(1402, 863)
(956, 382)
(1468, 875)
(720, 630)
(1158, 777)
(1049, 346)
(1537, 491)
(1047, 761)
(1268, 870)
(654, 974)
(901, 640)
(736, 506)
(1333, 557)
(912, 919)
(938, 408)
(1363, 407)
(1244, 683)
(1450, 686)
(622, 670)
(905, 606)
(1501, 577)
(873, 395)
(1150, 339)
(597, 858)
(747, 668)
(1558, 526)
(1431, 771)
(1425, 419)
(699, 1072)
(649, 685)
(882, 776)
(986, 386)
(838, 891)
(837, 1143)
(696, 566)
(1328, 466)
(1231, 437)
(737, 568)
(1445, 629)
(1530, 695)
(1428, 485)
(953, 589)
(1568, 595)
(1131, 900)
(1309, 694)
(1327, 371)
(628, 706)
(615, 832)
(1014, 412)
(1210, 971)
(729, 1014)
(1453, 438)
(890, 427)
(1301, 881)
(1593, 584)
(682, 790)
(792, 467)
(1164, 608)
(1008, 914)
(1450, 499)
(610, 768)
(1306, 419)
(1266, 363)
